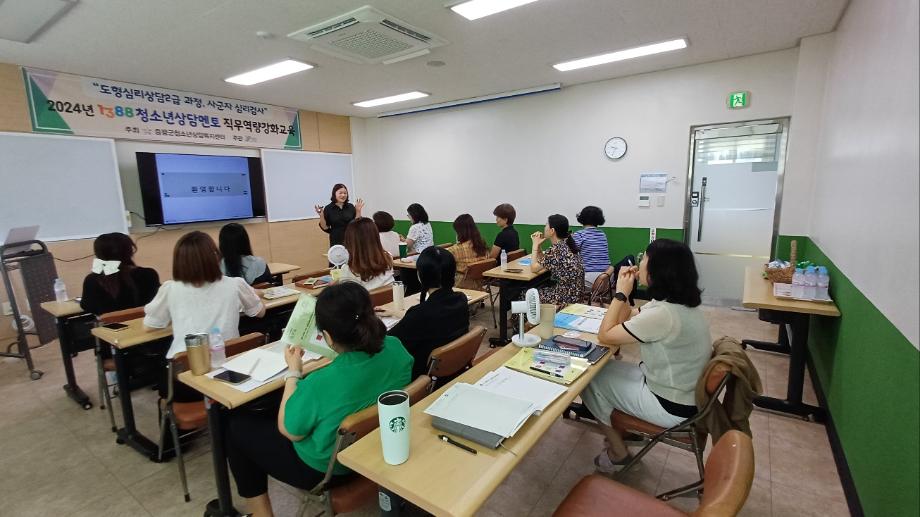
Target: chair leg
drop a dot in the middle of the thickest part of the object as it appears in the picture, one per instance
(108, 404)
(161, 446)
(638, 457)
(180, 462)
(696, 486)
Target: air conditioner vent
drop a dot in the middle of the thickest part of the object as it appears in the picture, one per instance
(368, 36)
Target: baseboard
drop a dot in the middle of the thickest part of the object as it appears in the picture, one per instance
(843, 468)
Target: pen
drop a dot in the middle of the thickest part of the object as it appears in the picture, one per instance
(448, 439)
(254, 366)
(534, 368)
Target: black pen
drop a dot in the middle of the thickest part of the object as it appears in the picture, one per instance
(547, 372)
(448, 439)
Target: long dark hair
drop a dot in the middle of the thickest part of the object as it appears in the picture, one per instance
(116, 246)
(436, 268)
(561, 224)
(234, 245)
(345, 311)
(335, 189)
(467, 231)
(672, 274)
(417, 213)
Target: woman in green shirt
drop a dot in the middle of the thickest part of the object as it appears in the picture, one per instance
(296, 448)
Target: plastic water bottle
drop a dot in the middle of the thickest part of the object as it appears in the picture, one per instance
(60, 290)
(798, 283)
(218, 352)
(811, 282)
(824, 281)
(504, 260)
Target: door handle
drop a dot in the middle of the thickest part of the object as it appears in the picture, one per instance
(699, 224)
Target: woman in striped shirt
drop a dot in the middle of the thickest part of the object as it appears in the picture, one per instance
(592, 243)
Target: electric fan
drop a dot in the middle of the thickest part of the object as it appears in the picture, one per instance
(338, 255)
(531, 307)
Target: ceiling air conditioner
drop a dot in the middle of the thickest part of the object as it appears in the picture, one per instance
(368, 36)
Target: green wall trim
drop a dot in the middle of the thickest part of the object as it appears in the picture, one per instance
(870, 374)
(622, 241)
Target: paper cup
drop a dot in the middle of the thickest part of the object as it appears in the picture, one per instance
(393, 409)
(399, 295)
(547, 321)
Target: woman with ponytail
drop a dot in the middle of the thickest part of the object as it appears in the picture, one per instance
(116, 283)
(296, 447)
(561, 260)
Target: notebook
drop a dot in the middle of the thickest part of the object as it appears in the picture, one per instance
(524, 362)
(551, 346)
(579, 323)
(474, 407)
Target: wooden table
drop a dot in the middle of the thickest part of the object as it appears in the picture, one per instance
(278, 269)
(123, 340)
(509, 285)
(793, 339)
(67, 315)
(473, 297)
(443, 479)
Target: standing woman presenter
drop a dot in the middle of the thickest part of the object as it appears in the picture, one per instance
(334, 217)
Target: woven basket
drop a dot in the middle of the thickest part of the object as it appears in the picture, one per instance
(784, 275)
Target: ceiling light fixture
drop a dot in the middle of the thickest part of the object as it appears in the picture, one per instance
(267, 73)
(390, 100)
(476, 9)
(620, 55)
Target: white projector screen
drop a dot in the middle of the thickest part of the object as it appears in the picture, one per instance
(67, 185)
(295, 181)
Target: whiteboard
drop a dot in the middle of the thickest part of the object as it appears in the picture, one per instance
(68, 185)
(295, 181)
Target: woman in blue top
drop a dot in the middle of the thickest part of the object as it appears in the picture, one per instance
(592, 243)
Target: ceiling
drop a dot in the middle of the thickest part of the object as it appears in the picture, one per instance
(193, 44)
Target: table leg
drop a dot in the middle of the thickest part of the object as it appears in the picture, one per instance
(223, 505)
(503, 303)
(797, 333)
(71, 388)
(129, 434)
(390, 503)
(780, 347)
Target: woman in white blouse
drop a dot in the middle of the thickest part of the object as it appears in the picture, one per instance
(368, 264)
(420, 235)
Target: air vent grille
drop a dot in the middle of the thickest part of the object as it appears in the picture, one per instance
(332, 28)
(370, 44)
(404, 30)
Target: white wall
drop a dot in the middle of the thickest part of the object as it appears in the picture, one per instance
(544, 153)
(866, 190)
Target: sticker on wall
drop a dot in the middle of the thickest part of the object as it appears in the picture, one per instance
(653, 183)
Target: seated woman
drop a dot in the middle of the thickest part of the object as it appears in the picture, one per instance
(674, 344)
(296, 446)
(561, 259)
(507, 239)
(443, 314)
(592, 244)
(470, 246)
(388, 238)
(237, 259)
(116, 283)
(420, 235)
(368, 264)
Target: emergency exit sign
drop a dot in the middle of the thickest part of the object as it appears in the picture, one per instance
(739, 100)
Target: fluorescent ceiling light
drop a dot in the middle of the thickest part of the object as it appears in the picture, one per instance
(267, 73)
(476, 9)
(620, 55)
(390, 100)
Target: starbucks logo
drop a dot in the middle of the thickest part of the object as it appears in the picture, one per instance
(398, 424)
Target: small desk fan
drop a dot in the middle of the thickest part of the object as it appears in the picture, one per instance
(531, 307)
(338, 257)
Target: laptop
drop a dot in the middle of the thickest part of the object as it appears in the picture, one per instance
(21, 234)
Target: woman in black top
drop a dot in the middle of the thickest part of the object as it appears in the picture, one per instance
(116, 283)
(334, 217)
(507, 239)
(443, 314)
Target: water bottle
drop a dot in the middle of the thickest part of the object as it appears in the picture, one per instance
(218, 352)
(824, 281)
(798, 283)
(60, 290)
(504, 260)
(811, 282)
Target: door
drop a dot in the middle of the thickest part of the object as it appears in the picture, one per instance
(732, 216)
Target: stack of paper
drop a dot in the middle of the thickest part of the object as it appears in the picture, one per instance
(260, 364)
(579, 323)
(478, 408)
(278, 292)
(276, 348)
(389, 322)
(510, 383)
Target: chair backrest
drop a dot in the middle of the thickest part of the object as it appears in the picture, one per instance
(475, 270)
(600, 290)
(357, 425)
(516, 254)
(262, 285)
(312, 274)
(122, 315)
(244, 343)
(382, 296)
(484, 356)
(716, 381)
(729, 475)
(453, 357)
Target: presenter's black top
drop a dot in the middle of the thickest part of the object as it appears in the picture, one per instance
(443, 317)
(508, 239)
(336, 221)
(134, 290)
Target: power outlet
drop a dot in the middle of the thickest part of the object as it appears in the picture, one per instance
(652, 234)
(7, 309)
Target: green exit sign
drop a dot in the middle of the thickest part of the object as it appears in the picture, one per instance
(739, 100)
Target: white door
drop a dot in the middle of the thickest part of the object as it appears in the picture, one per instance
(733, 205)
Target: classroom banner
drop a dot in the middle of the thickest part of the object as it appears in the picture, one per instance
(75, 105)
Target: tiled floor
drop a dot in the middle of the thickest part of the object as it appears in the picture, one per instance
(57, 459)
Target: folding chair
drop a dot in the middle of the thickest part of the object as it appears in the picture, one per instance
(108, 365)
(456, 356)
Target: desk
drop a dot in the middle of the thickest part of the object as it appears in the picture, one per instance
(509, 282)
(278, 269)
(67, 314)
(123, 340)
(758, 294)
(218, 396)
(442, 479)
(473, 297)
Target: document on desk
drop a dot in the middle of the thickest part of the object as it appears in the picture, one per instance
(260, 364)
(481, 409)
(579, 323)
(588, 311)
(253, 383)
(389, 322)
(505, 381)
